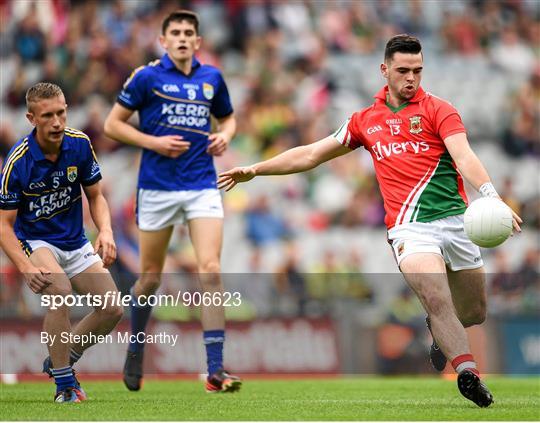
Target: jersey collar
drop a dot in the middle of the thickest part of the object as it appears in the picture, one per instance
(420, 94)
(169, 64)
(35, 149)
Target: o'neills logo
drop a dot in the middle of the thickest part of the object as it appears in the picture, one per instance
(383, 151)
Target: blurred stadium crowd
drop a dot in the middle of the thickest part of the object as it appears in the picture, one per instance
(296, 70)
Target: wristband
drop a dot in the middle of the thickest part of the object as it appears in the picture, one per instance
(488, 190)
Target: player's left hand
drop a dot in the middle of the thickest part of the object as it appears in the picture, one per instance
(219, 141)
(105, 247)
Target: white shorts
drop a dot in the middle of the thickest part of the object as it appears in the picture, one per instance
(445, 237)
(159, 209)
(73, 262)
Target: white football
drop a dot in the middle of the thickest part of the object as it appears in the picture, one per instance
(488, 222)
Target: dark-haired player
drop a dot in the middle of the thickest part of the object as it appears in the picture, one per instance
(420, 150)
(176, 97)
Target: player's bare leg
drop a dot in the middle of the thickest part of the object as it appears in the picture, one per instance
(207, 236)
(426, 274)
(96, 280)
(56, 322)
(469, 298)
(153, 251)
(468, 288)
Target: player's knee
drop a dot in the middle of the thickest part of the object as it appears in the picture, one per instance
(479, 318)
(210, 266)
(60, 290)
(435, 303)
(151, 286)
(480, 311)
(150, 283)
(475, 315)
(209, 276)
(112, 313)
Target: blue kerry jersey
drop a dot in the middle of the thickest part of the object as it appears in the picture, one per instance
(47, 195)
(172, 103)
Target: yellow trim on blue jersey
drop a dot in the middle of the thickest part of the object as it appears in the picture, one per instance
(93, 152)
(14, 153)
(75, 130)
(77, 136)
(80, 134)
(9, 168)
(184, 129)
(132, 75)
(182, 100)
(136, 70)
(75, 133)
(44, 192)
(59, 211)
(25, 249)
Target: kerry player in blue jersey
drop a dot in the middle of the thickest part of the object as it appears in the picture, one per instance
(176, 97)
(41, 228)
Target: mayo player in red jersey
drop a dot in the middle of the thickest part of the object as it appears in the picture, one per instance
(418, 144)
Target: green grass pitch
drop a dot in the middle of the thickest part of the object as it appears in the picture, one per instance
(355, 398)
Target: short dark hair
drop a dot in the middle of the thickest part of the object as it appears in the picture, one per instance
(42, 90)
(179, 16)
(402, 43)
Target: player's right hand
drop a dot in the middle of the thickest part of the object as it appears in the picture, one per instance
(228, 179)
(516, 220)
(170, 145)
(37, 278)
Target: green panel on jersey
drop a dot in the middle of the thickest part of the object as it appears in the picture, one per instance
(441, 196)
(398, 108)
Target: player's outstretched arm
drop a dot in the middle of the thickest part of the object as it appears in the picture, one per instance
(472, 169)
(99, 210)
(117, 128)
(295, 160)
(37, 278)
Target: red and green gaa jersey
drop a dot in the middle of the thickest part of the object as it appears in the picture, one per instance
(417, 177)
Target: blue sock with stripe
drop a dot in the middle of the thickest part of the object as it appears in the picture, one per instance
(213, 341)
(63, 378)
(139, 319)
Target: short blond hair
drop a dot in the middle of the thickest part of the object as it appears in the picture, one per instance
(42, 90)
